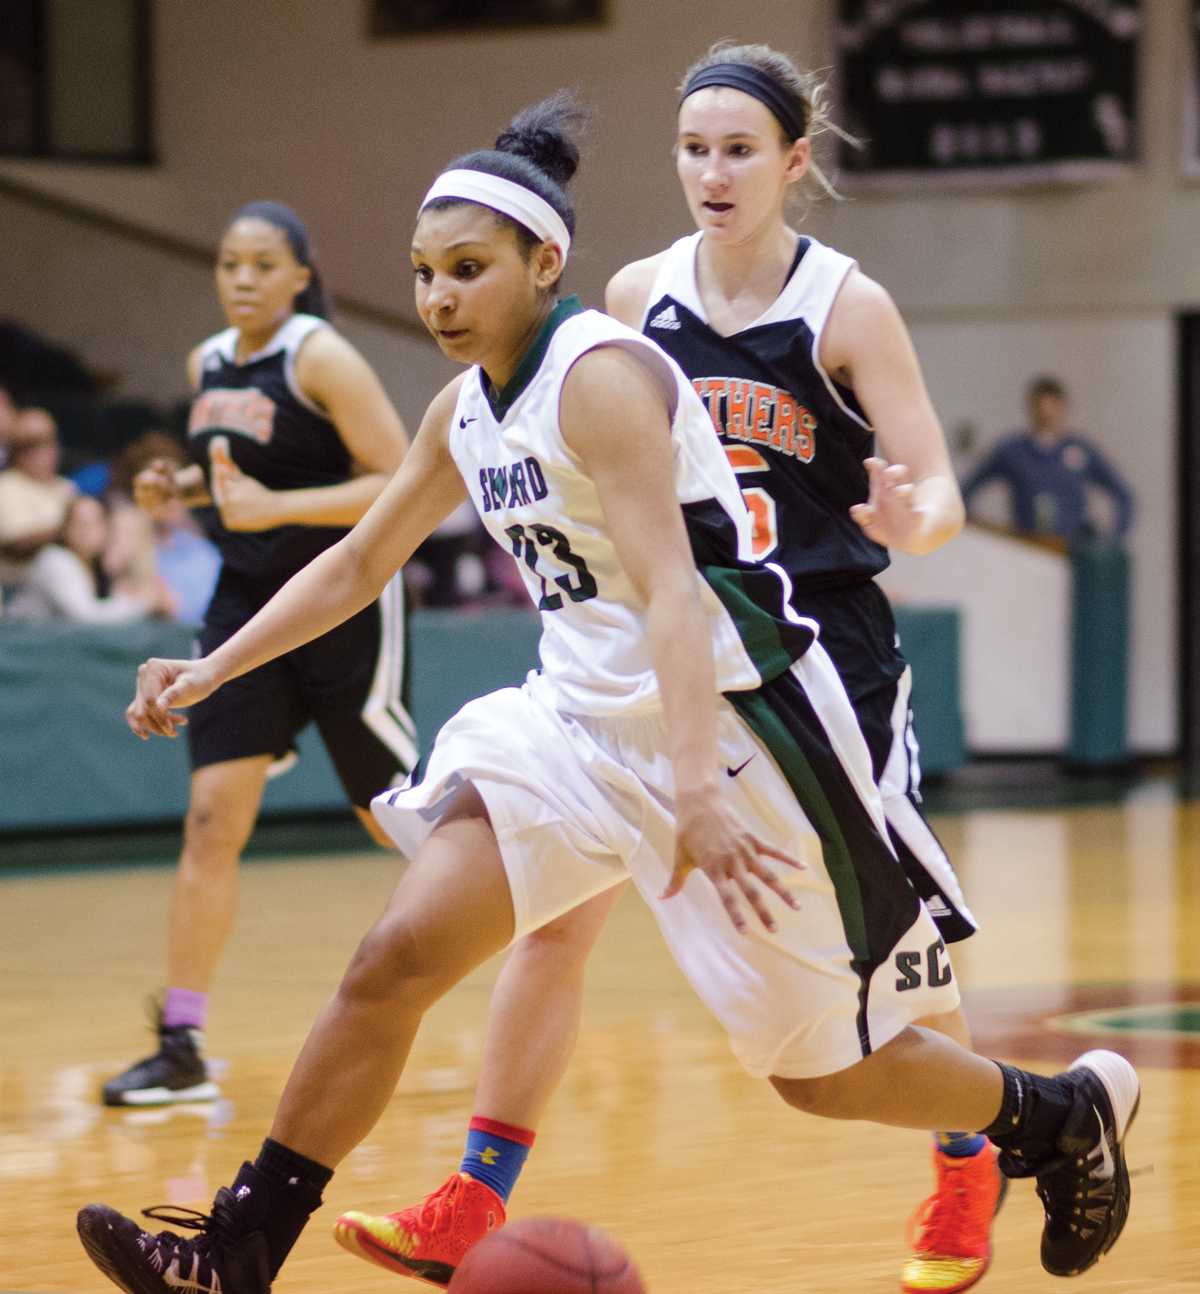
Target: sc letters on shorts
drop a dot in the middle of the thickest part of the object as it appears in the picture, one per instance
(932, 962)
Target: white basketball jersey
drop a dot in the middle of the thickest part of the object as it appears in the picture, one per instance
(538, 503)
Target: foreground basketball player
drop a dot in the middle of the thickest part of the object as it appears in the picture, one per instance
(802, 362)
(667, 659)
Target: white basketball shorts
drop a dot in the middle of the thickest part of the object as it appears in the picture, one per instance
(579, 804)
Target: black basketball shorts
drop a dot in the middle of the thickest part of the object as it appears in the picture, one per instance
(885, 718)
(858, 630)
(351, 682)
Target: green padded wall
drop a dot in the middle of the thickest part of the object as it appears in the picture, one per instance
(68, 760)
(1099, 655)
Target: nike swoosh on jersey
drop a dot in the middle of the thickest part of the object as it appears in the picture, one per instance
(733, 772)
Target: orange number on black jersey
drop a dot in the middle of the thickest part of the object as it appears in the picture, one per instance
(762, 507)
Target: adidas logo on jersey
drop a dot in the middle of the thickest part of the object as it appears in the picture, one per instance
(666, 319)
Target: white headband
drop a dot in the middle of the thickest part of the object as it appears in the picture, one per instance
(510, 199)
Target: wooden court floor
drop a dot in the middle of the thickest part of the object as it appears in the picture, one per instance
(1092, 933)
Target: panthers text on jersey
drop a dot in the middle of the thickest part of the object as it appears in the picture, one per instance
(276, 434)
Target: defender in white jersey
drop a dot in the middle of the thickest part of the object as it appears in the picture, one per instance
(587, 450)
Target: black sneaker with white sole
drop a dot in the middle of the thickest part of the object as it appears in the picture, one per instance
(176, 1072)
(229, 1256)
(1084, 1186)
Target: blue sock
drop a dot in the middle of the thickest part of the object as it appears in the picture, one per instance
(495, 1154)
(960, 1145)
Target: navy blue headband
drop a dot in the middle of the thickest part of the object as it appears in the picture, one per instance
(750, 80)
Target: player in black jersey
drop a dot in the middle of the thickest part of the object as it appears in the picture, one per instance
(802, 361)
(292, 438)
(806, 365)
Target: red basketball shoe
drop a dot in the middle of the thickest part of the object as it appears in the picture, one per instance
(954, 1247)
(428, 1240)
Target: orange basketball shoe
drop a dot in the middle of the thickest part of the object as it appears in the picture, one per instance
(954, 1247)
(430, 1239)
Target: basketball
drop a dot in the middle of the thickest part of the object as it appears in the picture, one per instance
(547, 1256)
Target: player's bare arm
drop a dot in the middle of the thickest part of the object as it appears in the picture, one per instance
(626, 449)
(914, 502)
(338, 380)
(336, 585)
(627, 293)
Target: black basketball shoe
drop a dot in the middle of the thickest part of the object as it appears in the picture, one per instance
(229, 1256)
(1084, 1187)
(176, 1072)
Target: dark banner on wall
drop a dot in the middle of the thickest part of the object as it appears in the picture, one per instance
(998, 89)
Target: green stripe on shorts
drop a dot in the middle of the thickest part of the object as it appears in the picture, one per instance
(757, 628)
(773, 732)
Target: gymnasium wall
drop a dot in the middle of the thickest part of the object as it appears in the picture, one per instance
(288, 99)
(136, 310)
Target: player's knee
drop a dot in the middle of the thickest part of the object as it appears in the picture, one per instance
(829, 1096)
(560, 948)
(211, 841)
(393, 964)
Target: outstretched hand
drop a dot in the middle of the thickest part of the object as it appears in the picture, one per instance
(163, 685)
(244, 503)
(890, 515)
(709, 838)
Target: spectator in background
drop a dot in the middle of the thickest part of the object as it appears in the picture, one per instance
(129, 557)
(1046, 468)
(163, 535)
(67, 579)
(33, 497)
(188, 562)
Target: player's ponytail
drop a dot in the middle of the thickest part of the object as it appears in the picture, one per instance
(312, 300)
(543, 133)
(537, 150)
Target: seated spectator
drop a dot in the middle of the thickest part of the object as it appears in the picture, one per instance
(130, 557)
(168, 536)
(188, 562)
(67, 581)
(33, 497)
(1046, 468)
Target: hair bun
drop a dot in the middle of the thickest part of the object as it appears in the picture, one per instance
(542, 133)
